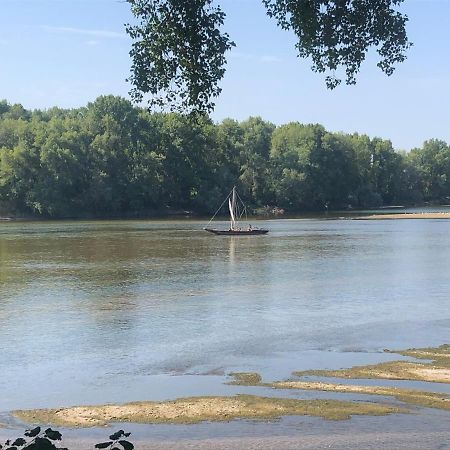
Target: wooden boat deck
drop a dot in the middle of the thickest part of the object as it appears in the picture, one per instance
(251, 232)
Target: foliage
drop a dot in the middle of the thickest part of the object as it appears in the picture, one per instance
(339, 33)
(110, 159)
(178, 51)
(116, 440)
(432, 164)
(39, 439)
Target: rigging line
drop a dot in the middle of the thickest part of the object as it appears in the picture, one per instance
(244, 211)
(239, 197)
(241, 212)
(220, 207)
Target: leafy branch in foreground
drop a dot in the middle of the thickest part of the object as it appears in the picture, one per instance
(178, 54)
(45, 440)
(38, 440)
(178, 50)
(338, 34)
(116, 439)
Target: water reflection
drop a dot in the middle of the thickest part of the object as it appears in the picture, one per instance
(232, 240)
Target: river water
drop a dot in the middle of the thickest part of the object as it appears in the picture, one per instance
(95, 312)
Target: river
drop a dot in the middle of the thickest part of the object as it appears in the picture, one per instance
(106, 311)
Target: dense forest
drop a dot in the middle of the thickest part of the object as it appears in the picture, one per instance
(112, 159)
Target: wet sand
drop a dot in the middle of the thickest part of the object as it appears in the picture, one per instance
(367, 441)
(430, 215)
(424, 429)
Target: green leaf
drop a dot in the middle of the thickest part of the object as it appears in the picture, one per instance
(53, 434)
(41, 444)
(34, 432)
(126, 445)
(103, 444)
(116, 435)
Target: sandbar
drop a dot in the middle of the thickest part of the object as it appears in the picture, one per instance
(419, 215)
(199, 409)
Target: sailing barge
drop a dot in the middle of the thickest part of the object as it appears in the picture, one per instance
(235, 228)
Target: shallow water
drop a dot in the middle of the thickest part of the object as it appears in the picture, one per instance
(94, 312)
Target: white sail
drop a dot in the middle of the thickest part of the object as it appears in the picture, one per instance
(231, 208)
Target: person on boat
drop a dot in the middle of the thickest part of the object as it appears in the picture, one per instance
(250, 227)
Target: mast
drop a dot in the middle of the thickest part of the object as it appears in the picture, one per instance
(232, 208)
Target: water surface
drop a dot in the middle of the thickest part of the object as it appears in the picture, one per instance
(95, 312)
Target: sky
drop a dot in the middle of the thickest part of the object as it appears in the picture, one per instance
(68, 52)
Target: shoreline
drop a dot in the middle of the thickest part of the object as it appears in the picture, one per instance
(304, 440)
(386, 213)
(415, 431)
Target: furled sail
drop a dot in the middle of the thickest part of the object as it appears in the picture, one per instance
(233, 219)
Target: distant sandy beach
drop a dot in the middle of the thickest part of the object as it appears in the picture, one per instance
(430, 215)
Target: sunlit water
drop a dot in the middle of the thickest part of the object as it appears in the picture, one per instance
(94, 312)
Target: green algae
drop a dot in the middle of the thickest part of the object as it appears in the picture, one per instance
(245, 379)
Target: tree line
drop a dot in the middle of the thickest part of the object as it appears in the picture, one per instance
(111, 158)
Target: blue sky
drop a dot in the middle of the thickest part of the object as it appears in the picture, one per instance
(67, 52)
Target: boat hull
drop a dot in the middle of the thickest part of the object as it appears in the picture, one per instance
(257, 231)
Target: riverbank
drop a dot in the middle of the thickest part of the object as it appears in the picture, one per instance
(167, 213)
(348, 441)
(416, 431)
(411, 439)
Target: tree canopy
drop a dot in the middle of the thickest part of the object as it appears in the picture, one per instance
(178, 51)
(113, 159)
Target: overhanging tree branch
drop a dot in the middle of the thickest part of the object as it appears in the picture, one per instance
(178, 53)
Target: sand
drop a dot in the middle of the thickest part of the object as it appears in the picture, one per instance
(199, 409)
(430, 215)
